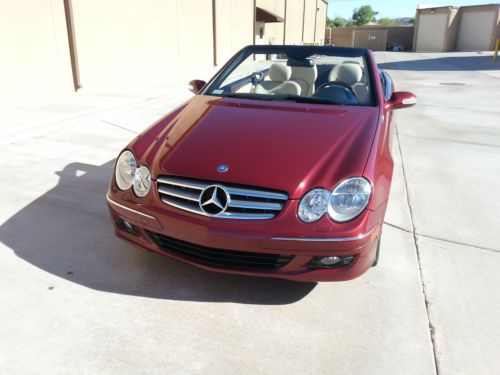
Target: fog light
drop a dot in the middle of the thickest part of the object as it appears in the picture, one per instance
(126, 226)
(329, 261)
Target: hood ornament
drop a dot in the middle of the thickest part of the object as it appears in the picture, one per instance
(223, 168)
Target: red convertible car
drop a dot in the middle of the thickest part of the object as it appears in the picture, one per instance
(279, 166)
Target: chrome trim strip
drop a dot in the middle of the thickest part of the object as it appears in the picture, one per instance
(181, 182)
(225, 215)
(256, 193)
(229, 215)
(112, 202)
(183, 207)
(182, 194)
(178, 192)
(255, 205)
(339, 239)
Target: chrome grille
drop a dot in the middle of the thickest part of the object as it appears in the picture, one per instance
(244, 202)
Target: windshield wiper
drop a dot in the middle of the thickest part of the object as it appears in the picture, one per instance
(309, 99)
(291, 98)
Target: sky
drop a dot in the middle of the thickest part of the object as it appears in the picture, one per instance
(389, 9)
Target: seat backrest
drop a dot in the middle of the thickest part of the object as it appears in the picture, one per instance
(346, 72)
(304, 72)
(351, 73)
(279, 83)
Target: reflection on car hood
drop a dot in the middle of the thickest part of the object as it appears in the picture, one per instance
(284, 146)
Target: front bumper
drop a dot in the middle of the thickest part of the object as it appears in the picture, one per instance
(299, 244)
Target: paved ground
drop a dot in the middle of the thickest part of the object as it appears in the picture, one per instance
(76, 300)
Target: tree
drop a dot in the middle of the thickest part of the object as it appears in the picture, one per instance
(335, 22)
(387, 22)
(363, 15)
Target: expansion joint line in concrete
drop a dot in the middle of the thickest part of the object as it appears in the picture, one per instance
(415, 240)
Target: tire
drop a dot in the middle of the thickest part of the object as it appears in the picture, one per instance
(377, 254)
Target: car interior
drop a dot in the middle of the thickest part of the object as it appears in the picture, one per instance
(327, 78)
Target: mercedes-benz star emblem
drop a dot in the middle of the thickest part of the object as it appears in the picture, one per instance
(214, 200)
(223, 168)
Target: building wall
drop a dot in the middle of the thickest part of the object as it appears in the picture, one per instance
(432, 29)
(309, 21)
(234, 27)
(293, 21)
(385, 36)
(342, 37)
(34, 43)
(274, 32)
(453, 28)
(462, 31)
(374, 39)
(122, 45)
(322, 8)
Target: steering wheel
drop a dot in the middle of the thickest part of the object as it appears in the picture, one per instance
(336, 83)
(337, 91)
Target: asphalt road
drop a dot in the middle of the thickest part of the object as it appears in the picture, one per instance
(74, 299)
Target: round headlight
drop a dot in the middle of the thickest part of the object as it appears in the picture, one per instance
(142, 181)
(125, 170)
(349, 199)
(313, 205)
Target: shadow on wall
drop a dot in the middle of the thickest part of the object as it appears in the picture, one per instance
(68, 233)
(452, 63)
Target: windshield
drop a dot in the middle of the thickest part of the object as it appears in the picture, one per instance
(310, 75)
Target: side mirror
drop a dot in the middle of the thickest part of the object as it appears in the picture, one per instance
(403, 99)
(196, 85)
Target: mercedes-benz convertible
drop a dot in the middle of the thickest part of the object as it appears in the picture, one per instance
(279, 166)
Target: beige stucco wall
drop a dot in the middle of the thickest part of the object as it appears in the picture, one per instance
(124, 43)
(195, 33)
(34, 48)
(128, 44)
(294, 18)
(320, 21)
(309, 20)
(234, 27)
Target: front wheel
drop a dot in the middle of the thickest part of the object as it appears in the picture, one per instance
(377, 254)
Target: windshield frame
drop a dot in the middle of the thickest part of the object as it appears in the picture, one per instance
(244, 53)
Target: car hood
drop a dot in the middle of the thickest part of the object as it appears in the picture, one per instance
(291, 147)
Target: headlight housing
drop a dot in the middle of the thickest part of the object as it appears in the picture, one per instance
(313, 205)
(142, 181)
(349, 199)
(344, 203)
(126, 166)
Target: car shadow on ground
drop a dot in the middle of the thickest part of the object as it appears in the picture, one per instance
(451, 63)
(68, 233)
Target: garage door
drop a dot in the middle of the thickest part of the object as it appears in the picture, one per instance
(431, 32)
(476, 31)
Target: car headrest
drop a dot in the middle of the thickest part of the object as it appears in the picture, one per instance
(280, 72)
(348, 73)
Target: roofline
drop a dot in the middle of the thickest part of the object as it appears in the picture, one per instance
(481, 5)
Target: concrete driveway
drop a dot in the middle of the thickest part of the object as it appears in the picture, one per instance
(73, 299)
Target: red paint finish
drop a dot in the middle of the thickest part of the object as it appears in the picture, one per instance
(284, 146)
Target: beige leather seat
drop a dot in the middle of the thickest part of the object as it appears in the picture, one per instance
(352, 74)
(280, 82)
(305, 76)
